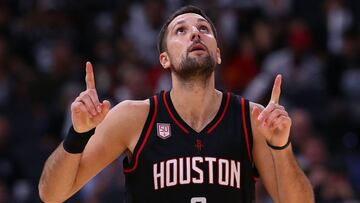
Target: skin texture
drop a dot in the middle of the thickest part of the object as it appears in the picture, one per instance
(196, 100)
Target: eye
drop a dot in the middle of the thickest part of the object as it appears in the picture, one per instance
(204, 28)
(180, 31)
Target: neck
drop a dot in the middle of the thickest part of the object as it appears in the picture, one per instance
(197, 102)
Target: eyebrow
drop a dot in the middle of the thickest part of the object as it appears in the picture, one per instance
(202, 20)
(179, 22)
(183, 21)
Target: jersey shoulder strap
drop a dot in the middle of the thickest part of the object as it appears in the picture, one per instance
(131, 164)
(248, 135)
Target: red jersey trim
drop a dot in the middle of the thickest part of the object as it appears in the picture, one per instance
(172, 115)
(245, 127)
(256, 179)
(222, 115)
(145, 139)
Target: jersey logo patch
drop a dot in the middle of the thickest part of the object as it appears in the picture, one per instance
(163, 130)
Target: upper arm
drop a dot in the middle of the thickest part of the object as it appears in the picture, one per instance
(263, 159)
(118, 132)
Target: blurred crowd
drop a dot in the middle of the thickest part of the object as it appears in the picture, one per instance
(44, 45)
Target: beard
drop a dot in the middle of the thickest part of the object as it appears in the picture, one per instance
(195, 69)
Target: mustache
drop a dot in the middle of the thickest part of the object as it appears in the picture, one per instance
(197, 43)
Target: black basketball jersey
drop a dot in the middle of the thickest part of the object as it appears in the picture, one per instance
(173, 163)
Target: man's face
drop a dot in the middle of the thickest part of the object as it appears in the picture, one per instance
(190, 46)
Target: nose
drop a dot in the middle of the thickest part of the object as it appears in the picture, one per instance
(195, 34)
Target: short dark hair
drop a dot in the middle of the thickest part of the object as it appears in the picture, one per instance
(182, 10)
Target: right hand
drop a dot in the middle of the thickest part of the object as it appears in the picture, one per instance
(86, 111)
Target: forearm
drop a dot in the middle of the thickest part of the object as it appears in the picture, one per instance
(58, 176)
(292, 184)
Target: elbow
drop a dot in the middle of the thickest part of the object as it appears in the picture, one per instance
(307, 196)
(310, 199)
(310, 193)
(44, 196)
(311, 196)
(47, 196)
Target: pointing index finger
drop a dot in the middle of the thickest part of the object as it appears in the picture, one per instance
(90, 79)
(275, 94)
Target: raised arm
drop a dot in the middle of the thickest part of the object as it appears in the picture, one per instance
(66, 171)
(273, 155)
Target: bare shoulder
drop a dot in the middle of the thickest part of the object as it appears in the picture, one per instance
(252, 119)
(125, 121)
(131, 108)
(129, 113)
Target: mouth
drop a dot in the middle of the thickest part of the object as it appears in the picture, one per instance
(197, 47)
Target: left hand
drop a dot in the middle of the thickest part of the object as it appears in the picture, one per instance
(273, 122)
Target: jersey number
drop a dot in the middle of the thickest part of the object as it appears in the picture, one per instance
(198, 200)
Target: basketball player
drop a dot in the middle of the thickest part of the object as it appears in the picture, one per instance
(193, 143)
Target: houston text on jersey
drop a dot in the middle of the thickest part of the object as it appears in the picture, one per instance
(190, 170)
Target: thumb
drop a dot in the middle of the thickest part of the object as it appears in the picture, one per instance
(106, 106)
(255, 114)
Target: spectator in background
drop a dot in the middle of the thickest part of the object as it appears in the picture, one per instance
(343, 80)
(241, 68)
(42, 44)
(11, 174)
(350, 79)
(107, 186)
(331, 184)
(302, 70)
(264, 39)
(339, 19)
(146, 18)
(275, 9)
(346, 60)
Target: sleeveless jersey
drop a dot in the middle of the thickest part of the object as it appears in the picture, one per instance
(173, 163)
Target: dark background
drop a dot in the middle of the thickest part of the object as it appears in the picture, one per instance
(44, 45)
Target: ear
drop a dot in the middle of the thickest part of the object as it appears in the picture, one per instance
(164, 60)
(218, 56)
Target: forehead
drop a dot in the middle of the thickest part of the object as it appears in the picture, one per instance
(186, 17)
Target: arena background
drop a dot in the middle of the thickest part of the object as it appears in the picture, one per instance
(44, 45)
